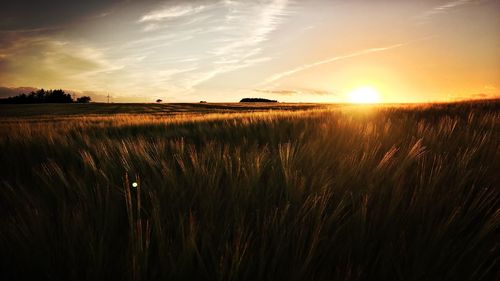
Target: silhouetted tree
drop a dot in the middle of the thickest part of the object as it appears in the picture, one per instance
(40, 96)
(84, 99)
(58, 96)
(158, 100)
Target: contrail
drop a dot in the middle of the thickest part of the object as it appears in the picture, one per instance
(329, 60)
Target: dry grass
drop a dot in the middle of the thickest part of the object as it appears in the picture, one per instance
(329, 193)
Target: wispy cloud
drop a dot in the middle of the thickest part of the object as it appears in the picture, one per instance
(230, 41)
(161, 17)
(239, 37)
(443, 9)
(277, 92)
(166, 13)
(289, 92)
(55, 60)
(293, 71)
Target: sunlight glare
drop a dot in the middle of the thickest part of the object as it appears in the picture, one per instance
(364, 95)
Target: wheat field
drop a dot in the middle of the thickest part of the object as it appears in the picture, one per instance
(232, 192)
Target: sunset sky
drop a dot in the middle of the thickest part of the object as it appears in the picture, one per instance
(289, 50)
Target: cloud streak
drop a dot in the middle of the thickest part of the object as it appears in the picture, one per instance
(289, 92)
(171, 13)
(234, 41)
(291, 72)
(255, 25)
(443, 9)
(64, 62)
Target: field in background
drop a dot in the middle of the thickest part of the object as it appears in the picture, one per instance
(244, 192)
(163, 109)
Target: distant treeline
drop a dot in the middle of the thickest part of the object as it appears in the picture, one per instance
(45, 96)
(257, 100)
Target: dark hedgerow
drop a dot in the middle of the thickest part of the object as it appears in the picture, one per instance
(256, 100)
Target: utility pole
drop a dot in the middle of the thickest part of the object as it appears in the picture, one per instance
(108, 97)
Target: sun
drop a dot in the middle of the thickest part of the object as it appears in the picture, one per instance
(364, 95)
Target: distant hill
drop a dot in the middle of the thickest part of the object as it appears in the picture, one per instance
(257, 100)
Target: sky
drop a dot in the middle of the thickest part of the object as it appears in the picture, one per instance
(222, 51)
